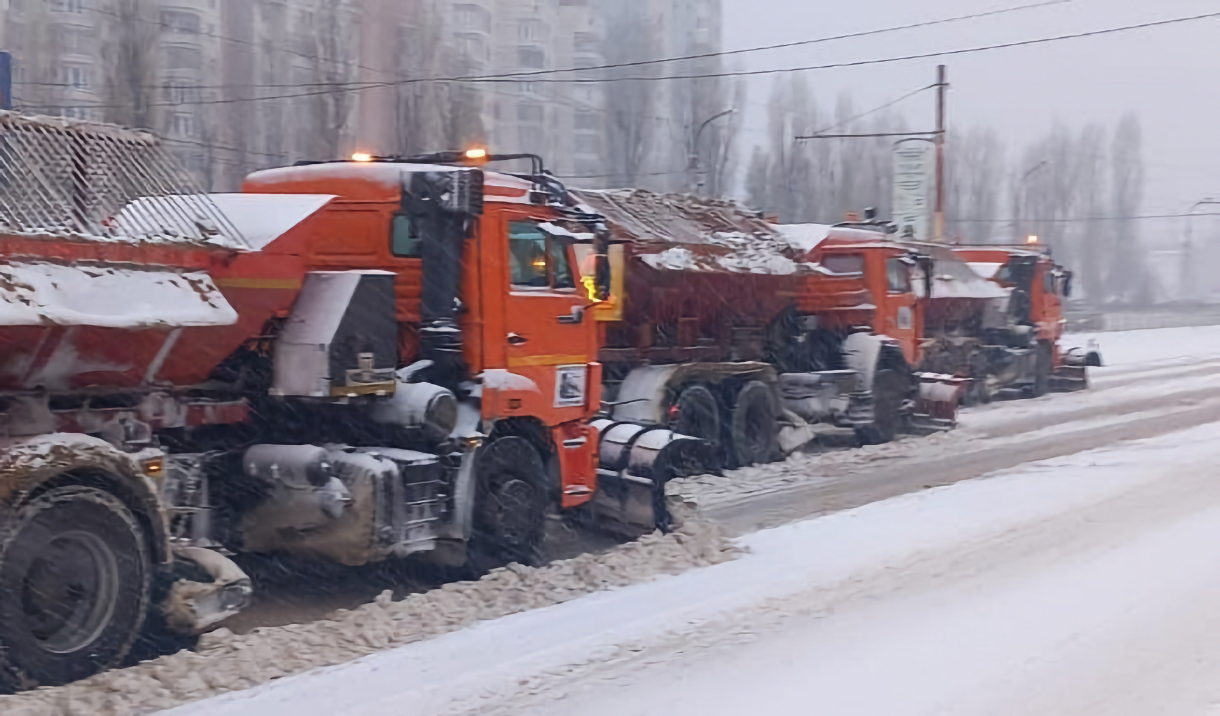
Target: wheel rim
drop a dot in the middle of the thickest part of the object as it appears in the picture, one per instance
(514, 514)
(69, 592)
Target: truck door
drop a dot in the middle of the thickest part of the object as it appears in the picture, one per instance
(548, 335)
(901, 319)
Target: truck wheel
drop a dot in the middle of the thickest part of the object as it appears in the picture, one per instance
(698, 415)
(755, 426)
(1042, 371)
(887, 404)
(510, 511)
(74, 587)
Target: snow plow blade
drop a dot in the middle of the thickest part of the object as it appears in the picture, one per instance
(635, 463)
(939, 398)
(1073, 375)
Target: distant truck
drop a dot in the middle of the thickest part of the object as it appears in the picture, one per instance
(992, 315)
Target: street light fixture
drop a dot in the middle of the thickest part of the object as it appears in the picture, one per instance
(693, 165)
(1188, 273)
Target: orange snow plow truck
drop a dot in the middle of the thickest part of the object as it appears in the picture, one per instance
(990, 314)
(353, 362)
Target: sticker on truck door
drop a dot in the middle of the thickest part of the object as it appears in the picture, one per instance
(906, 318)
(571, 382)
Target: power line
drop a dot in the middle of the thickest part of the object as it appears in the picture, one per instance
(525, 75)
(899, 58)
(495, 79)
(874, 110)
(799, 43)
(1081, 220)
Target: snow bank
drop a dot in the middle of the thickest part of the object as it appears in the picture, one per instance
(227, 662)
(35, 294)
(805, 574)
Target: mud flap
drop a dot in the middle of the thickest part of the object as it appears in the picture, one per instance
(939, 398)
(1070, 378)
(636, 461)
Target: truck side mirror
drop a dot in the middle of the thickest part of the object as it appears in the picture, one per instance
(1067, 284)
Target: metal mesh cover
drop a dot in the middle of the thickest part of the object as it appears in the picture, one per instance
(68, 178)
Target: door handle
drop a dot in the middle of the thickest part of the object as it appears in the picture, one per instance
(516, 339)
(576, 317)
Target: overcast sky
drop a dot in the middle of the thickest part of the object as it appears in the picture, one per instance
(1168, 74)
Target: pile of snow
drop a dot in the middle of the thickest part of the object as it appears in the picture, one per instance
(803, 469)
(227, 662)
(38, 293)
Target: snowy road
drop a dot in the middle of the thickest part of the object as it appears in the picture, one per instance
(1079, 579)
(1080, 585)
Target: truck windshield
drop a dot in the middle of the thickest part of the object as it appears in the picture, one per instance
(536, 260)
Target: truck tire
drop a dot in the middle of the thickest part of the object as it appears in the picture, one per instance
(510, 507)
(755, 426)
(1042, 371)
(74, 587)
(698, 414)
(887, 405)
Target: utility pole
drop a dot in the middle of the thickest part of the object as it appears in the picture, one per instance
(942, 91)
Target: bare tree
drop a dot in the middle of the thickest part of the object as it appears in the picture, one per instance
(130, 51)
(333, 45)
(1091, 241)
(631, 105)
(757, 189)
(975, 168)
(1129, 279)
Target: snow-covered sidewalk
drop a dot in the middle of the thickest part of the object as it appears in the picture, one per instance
(1083, 584)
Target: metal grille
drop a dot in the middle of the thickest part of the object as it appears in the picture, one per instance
(63, 177)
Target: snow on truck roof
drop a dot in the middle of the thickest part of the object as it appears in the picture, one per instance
(383, 177)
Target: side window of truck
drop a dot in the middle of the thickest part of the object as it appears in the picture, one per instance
(537, 260)
(898, 275)
(405, 241)
(844, 264)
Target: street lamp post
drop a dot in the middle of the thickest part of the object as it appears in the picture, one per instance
(1188, 272)
(1022, 197)
(693, 170)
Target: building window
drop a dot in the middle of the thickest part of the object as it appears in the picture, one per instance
(528, 87)
(587, 143)
(184, 125)
(72, 76)
(531, 58)
(588, 121)
(529, 30)
(183, 58)
(529, 113)
(472, 17)
(586, 43)
(180, 22)
(68, 5)
(181, 93)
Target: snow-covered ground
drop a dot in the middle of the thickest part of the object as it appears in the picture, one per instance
(1084, 584)
(1133, 348)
